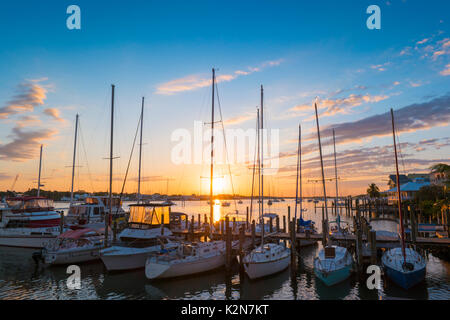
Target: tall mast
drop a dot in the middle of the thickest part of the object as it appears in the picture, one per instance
(321, 165)
(39, 175)
(73, 161)
(211, 190)
(300, 169)
(400, 215)
(296, 178)
(140, 152)
(336, 177)
(110, 166)
(259, 166)
(262, 164)
(254, 166)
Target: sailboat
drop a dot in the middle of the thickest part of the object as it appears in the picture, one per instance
(268, 258)
(29, 221)
(334, 263)
(303, 226)
(195, 257)
(94, 208)
(404, 266)
(336, 227)
(145, 234)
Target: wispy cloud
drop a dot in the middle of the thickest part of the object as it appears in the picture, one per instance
(24, 144)
(419, 116)
(380, 67)
(4, 176)
(30, 95)
(54, 113)
(240, 119)
(193, 82)
(446, 71)
(329, 107)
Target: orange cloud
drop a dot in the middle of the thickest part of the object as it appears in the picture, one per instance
(30, 95)
(54, 113)
(193, 82)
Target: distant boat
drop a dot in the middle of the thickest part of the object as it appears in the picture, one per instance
(269, 203)
(225, 204)
(240, 202)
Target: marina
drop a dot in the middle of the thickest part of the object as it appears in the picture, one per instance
(23, 279)
(198, 150)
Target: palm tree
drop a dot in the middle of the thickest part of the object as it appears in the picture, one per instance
(373, 191)
(440, 168)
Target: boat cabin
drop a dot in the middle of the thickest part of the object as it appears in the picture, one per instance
(29, 204)
(149, 215)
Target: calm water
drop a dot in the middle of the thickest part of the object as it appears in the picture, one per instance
(21, 279)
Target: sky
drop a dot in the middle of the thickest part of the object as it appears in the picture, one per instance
(301, 52)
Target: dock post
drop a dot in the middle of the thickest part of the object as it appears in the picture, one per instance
(246, 220)
(448, 222)
(278, 223)
(289, 218)
(241, 244)
(162, 224)
(324, 233)
(187, 223)
(115, 230)
(359, 240)
(61, 222)
(271, 225)
(292, 228)
(284, 224)
(413, 226)
(253, 233)
(373, 246)
(234, 225)
(199, 220)
(222, 229)
(228, 243)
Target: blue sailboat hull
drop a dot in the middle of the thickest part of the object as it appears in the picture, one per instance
(405, 280)
(333, 277)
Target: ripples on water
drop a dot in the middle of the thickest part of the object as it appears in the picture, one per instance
(21, 279)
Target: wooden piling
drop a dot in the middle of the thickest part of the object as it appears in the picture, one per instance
(228, 243)
(278, 223)
(241, 243)
(373, 246)
(253, 234)
(289, 218)
(324, 233)
(61, 222)
(293, 244)
(413, 226)
(271, 225)
(162, 224)
(246, 219)
(284, 224)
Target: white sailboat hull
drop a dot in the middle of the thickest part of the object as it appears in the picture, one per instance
(158, 270)
(72, 256)
(25, 241)
(262, 269)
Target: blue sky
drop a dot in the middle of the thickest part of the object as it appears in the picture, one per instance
(297, 50)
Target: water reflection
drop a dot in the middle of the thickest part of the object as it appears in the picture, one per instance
(21, 279)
